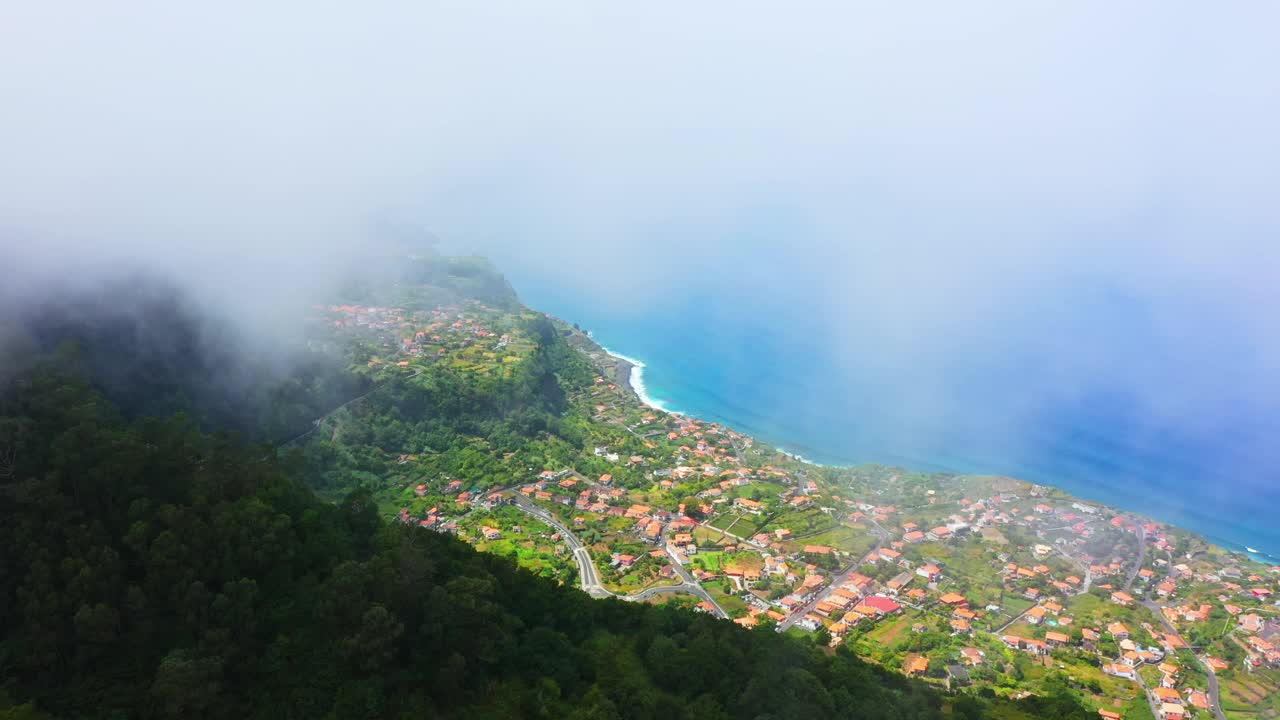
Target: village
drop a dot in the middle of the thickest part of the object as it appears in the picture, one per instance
(963, 581)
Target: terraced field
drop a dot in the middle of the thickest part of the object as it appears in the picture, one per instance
(1252, 696)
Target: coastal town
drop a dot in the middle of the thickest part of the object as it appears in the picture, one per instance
(973, 583)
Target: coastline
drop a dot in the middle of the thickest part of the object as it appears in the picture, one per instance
(631, 375)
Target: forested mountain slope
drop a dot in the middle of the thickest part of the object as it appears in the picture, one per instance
(151, 570)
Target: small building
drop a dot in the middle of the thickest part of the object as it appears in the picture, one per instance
(915, 665)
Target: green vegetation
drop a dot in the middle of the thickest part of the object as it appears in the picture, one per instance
(156, 571)
(152, 569)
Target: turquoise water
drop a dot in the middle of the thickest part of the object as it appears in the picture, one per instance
(738, 358)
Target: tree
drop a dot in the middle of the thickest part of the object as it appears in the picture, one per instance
(187, 685)
(374, 644)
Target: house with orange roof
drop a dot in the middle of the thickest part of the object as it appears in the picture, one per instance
(1166, 695)
(915, 665)
(930, 572)
(1259, 645)
(653, 531)
(1120, 597)
(1120, 670)
(939, 533)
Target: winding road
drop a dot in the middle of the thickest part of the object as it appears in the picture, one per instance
(589, 576)
(1214, 704)
(587, 572)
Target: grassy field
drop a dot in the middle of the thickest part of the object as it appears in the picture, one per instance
(709, 561)
(757, 489)
(802, 522)
(705, 537)
(971, 565)
(842, 538)
(723, 520)
(732, 604)
(1112, 687)
(887, 632)
(1011, 607)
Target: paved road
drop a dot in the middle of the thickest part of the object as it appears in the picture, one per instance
(1151, 701)
(822, 594)
(684, 588)
(587, 572)
(589, 576)
(1142, 557)
(689, 581)
(1214, 704)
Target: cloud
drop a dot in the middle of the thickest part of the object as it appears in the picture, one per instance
(963, 188)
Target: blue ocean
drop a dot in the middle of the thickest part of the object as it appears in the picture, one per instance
(753, 362)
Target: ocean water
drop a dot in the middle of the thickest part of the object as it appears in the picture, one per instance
(767, 369)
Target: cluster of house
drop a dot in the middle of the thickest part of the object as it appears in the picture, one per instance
(435, 519)
(361, 316)
(1260, 636)
(1170, 704)
(414, 334)
(1037, 581)
(1132, 655)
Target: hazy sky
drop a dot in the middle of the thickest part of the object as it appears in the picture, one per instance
(942, 176)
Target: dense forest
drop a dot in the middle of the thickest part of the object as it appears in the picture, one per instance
(152, 352)
(150, 569)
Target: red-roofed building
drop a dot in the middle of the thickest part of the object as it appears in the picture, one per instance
(882, 605)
